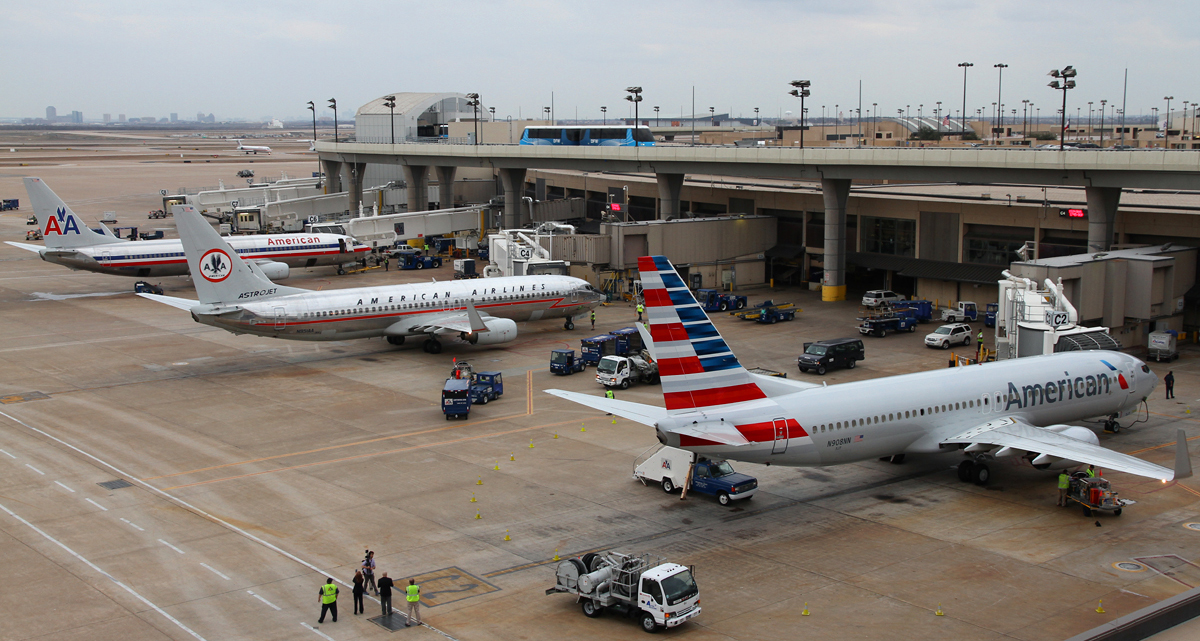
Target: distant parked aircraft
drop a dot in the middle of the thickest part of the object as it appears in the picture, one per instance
(253, 149)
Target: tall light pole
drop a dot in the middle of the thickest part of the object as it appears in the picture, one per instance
(712, 115)
(1000, 67)
(656, 114)
(1167, 130)
(1090, 130)
(1025, 119)
(965, 66)
(801, 91)
(635, 96)
(1102, 107)
(939, 115)
(604, 114)
(313, 109)
(1067, 77)
(546, 110)
(333, 104)
(473, 103)
(390, 103)
(874, 120)
(757, 122)
(492, 110)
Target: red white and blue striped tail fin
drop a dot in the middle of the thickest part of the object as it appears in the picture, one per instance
(697, 368)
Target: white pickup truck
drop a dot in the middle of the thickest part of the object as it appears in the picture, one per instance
(620, 371)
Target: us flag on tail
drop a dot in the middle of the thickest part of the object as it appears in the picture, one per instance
(697, 368)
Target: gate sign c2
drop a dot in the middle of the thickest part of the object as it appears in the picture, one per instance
(1056, 319)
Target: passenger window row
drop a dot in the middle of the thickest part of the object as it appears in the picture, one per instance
(908, 414)
(401, 306)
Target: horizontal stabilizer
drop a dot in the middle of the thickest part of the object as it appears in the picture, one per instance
(181, 303)
(715, 431)
(636, 412)
(37, 249)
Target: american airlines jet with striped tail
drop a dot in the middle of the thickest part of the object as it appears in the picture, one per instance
(1017, 408)
(70, 243)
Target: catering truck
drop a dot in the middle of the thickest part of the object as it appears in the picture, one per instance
(672, 468)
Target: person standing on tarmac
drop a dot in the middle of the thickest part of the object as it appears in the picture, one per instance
(368, 570)
(640, 309)
(329, 593)
(357, 592)
(413, 597)
(385, 594)
(1064, 482)
(1169, 383)
(593, 319)
(387, 259)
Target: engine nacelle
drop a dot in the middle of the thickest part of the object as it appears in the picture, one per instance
(1047, 462)
(500, 330)
(274, 270)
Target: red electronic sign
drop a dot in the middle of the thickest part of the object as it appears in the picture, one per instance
(1073, 213)
(616, 206)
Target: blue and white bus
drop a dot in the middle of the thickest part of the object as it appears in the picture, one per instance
(587, 135)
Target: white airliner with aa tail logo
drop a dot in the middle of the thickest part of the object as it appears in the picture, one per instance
(70, 243)
(1015, 408)
(253, 149)
(235, 295)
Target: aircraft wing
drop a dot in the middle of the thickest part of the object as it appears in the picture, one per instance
(1019, 435)
(37, 249)
(469, 321)
(636, 412)
(181, 303)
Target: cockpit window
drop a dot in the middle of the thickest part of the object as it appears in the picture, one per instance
(1145, 369)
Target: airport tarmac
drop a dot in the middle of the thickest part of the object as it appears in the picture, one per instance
(253, 468)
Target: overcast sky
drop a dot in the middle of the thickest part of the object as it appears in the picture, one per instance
(254, 59)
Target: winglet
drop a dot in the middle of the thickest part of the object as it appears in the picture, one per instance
(477, 324)
(647, 340)
(1183, 462)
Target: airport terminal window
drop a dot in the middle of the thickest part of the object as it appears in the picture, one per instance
(892, 236)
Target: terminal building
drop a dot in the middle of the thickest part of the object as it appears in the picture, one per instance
(943, 241)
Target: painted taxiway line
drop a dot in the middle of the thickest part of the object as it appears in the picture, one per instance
(106, 575)
(171, 546)
(215, 571)
(35, 469)
(277, 608)
(133, 525)
(60, 484)
(193, 509)
(97, 504)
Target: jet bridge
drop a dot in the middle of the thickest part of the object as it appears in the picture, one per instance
(1033, 321)
(388, 229)
(521, 252)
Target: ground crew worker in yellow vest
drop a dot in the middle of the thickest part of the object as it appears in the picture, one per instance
(640, 309)
(593, 319)
(1064, 482)
(1091, 471)
(608, 393)
(414, 602)
(329, 593)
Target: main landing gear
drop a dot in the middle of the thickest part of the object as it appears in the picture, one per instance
(432, 346)
(568, 324)
(974, 472)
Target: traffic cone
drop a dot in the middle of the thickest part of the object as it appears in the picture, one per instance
(480, 481)
(506, 536)
(614, 420)
(556, 435)
(531, 444)
(497, 465)
(805, 611)
(473, 497)
(478, 515)
(938, 612)
(582, 427)
(512, 456)
(556, 555)
(1100, 607)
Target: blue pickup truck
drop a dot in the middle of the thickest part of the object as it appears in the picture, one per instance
(669, 467)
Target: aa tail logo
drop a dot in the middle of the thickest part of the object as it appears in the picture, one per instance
(215, 265)
(69, 224)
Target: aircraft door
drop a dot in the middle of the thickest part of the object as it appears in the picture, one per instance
(985, 404)
(342, 245)
(781, 436)
(1131, 372)
(280, 317)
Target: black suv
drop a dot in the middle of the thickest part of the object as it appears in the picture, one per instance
(826, 355)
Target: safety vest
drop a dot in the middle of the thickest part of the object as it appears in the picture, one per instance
(1064, 481)
(980, 337)
(1091, 472)
(640, 309)
(328, 593)
(609, 394)
(593, 315)
(414, 593)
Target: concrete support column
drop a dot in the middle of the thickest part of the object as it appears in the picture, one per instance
(445, 178)
(417, 177)
(356, 170)
(669, 187)
(836, 191)
(1102, 205)
(514, 187)
(333, 175)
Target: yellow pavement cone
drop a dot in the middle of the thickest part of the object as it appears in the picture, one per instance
(805, 611)
(506, 536)
(582, 427)
(480, 481)
(497, 465)
(512, 456)
(614, 420)
(556, 555)
(1100, 607)
(938, 612)
(478, 515)
(531, 444)
(473, 497)
(556, 435)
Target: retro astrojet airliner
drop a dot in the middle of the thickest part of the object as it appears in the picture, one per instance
(70, 243)
(1018, 408)
(235, 295)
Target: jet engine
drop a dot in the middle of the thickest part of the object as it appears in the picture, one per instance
(274, 270)
(1049, 462)
(499, 330)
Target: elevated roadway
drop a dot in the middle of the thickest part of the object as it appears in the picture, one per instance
(1104, 173)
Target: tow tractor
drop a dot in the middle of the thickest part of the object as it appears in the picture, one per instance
(715, 301)
(964, 312)
(766, 310)
(414, 260)
(1095, 494)
(658, 593)
(564, 361)
(486, 386)
(33, 234)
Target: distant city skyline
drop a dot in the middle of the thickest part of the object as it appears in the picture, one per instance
(238, 62)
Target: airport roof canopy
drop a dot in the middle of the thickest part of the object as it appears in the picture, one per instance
(413, 103)
(416, 115)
